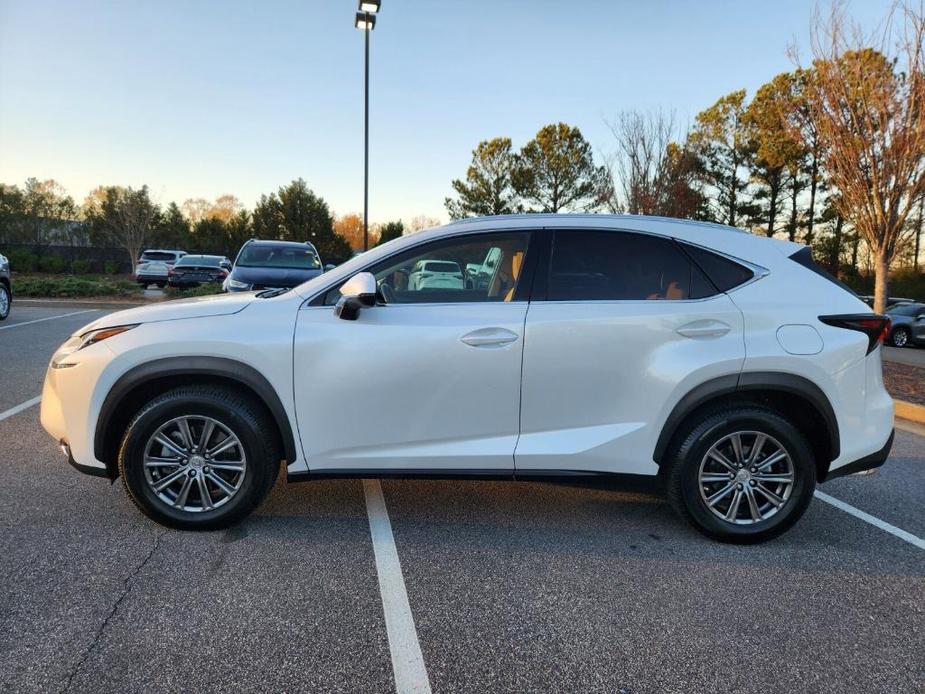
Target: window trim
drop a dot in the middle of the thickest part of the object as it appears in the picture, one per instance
(678, 243)
(522, 294)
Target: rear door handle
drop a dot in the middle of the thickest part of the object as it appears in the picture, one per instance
(489, 337)
(704, 328)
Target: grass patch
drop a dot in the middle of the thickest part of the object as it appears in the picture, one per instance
(201, 290)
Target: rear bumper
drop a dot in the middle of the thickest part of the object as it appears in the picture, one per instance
(868, 462)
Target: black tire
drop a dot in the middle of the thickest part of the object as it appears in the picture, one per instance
(901, 337)
(245, 418)
(682, 484)
(8, 303)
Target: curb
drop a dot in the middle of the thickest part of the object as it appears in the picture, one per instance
(909, 411)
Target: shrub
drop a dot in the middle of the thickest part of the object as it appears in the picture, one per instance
(81, 267)
(52, 264)
(201, 290)
(111, 267)
(71, 287)
(21, 261)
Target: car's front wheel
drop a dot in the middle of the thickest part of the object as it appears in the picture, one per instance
(900, 337)
(200, 457)
(741, 475)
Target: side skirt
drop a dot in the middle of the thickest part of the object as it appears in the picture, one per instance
(575, 478)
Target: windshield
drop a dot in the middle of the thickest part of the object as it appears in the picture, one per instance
(158, 256)
(290, 257)
(907, 310)
(441, 266)
(199, 260)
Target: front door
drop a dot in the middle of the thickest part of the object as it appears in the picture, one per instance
(429, 378)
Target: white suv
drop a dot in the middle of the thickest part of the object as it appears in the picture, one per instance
(723, 365)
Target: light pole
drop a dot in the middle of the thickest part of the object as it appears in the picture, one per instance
(366, 20)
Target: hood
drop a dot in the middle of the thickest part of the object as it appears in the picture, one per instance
(273, 276)
(195, 307)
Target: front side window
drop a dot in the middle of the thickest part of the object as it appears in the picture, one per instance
(621, 266)
(477, 268)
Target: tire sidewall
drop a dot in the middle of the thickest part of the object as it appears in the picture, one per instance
(704, 437)
(131, 461)
(9, 301)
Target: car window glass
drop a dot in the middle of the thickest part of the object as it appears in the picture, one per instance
(477, 268)
(288, 257)
(723, 273)
(157, 256)
(610, 265)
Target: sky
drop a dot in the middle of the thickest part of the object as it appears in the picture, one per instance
(200, 98)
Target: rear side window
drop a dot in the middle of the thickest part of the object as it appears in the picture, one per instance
(621, 266)
(725, 274)
(152, 256)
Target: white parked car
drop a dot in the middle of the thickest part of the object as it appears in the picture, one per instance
(154, 266)
(723, 365)
(435, 274)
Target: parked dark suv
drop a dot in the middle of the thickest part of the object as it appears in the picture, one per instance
(273, 265)
(6, 293)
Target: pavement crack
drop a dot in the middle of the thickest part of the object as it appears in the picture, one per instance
(126, 589)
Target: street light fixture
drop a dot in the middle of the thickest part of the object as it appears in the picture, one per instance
(366, 21)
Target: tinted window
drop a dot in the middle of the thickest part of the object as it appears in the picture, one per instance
(606, 265)
(199, 260)
(481, 267)
(281, 256)
(158, 256)
(907, 310)
(723, 273)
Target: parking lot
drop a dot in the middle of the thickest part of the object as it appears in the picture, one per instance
(511, 586)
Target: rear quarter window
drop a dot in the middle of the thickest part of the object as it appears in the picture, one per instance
(724, 273)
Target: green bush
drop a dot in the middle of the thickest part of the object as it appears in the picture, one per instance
(71, 287)
(81, 267)
(51, 264)
(21, 261)
(201, 290)
(908, 283)
(111, 267)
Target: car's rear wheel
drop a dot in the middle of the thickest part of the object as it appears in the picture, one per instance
(4, 301)
(900, 337)
(200, 457)
(741, 475)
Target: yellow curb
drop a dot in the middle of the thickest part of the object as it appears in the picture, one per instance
(910, 411)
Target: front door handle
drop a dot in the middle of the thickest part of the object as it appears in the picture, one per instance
(704, 328)
(489, 337)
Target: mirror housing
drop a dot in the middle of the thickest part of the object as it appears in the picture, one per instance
(358, 292)
(329, 266)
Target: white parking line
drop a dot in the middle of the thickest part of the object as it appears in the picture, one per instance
(873, 520)
(19, 408)
(407, 661)
(39, 320)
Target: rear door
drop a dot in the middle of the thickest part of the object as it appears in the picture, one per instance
(619, 328)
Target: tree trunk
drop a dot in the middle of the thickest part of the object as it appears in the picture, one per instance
(881, 280)
(772, 207)
(792, 228)
(814, 174)
(918, 234)
(836, 252)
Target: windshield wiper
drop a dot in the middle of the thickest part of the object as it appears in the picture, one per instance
(270, 293)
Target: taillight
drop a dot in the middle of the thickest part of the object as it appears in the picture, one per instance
(874, 325)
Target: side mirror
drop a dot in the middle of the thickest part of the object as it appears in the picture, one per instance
(358, 292)
(329, 266)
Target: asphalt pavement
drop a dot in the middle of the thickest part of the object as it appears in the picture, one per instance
(512, 586)
(913, 356)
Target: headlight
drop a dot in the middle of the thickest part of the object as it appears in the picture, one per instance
(78, 342)
(235, 284)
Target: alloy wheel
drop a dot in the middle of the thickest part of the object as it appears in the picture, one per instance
(4, 302)
(900, 338)
(746, 477)
(194, 463)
